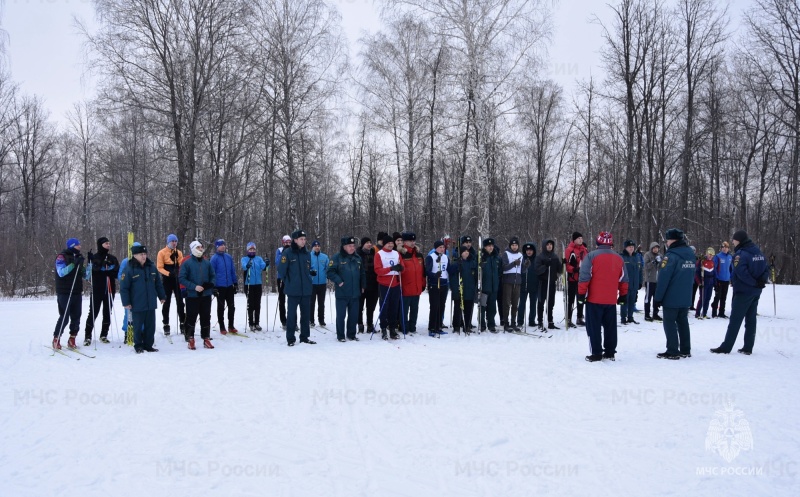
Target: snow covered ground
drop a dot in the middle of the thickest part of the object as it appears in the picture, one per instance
(489, 415)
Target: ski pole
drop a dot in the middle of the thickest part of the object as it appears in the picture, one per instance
(772, 273)
(402, 306)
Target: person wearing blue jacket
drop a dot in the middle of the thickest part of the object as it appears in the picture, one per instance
(252, 267)
(198, 276)
(750, 276)
(633, 272)
(319, 263)
(296, 271)
(674, 294)
(723, 269)
(227, 285)
(346, 272)
(140, 288)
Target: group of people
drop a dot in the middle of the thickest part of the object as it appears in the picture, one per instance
(392, 274)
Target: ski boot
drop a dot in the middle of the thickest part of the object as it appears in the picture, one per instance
(166, 330)
(207, 344)
(56, 343)
(71, 342)
(190, 344)
(87, 342)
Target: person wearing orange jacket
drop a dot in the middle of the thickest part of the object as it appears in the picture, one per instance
(388, 269)
(412, 280)
(573, 256)
(168, 263)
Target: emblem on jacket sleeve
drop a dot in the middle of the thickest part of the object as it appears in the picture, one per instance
(664, 262)
(736, 261)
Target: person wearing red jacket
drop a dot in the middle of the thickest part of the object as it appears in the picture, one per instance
(412, 280)
(388, 268)
(573, 256)
(602, 283)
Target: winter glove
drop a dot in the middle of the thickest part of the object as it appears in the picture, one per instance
(313, 272)
(517, 262)
(249, 264)
(622, 300)
(174, 256)
(78, 260)
(582, 298)
(91, 256)
(398, 267)
(266, 261)
(658, 259)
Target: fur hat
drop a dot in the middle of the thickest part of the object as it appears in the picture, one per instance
(409, 236)
(141, 249)
(297, 234)
(673, 234)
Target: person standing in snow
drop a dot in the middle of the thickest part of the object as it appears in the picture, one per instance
(140, 288)
(319, 263)
(69, 288)
(723, 266)
(573, 256)
(464, 275)
(628, 255)
(547, 267)
(168, 262)
(602, 284)
(437, 280)
(252, 267)
(750, 276)
(227, 285)
(412, 281)
(369, 298)
(295, 267)
(388, 268)
(652, 262)
(198, 276)
(104, 287)
(286, 242)
(490, 285)
(675, 277)
(346, 272)
(513, 265)
(529, 291)
(704, 276)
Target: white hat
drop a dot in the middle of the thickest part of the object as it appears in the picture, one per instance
(287, 238)
(195, 244)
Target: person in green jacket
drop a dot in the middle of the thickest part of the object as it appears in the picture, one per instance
(346, 271)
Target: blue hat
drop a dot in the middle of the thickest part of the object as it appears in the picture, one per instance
(172, 238)
(72, 242)
(251, 245)
(315, 243)
(219, 243)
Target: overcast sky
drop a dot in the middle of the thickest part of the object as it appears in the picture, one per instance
(45, 56)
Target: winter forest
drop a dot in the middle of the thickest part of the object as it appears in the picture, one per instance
(244, 120)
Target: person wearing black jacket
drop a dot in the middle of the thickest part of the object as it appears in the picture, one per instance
(104, 286)
(464, 276)
(547, 266)
(69, 287)
(530, 287)
(370, 295)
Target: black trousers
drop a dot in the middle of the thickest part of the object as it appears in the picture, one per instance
(225, 297)
(720, 296)
(438, 301)
(649, 294)
(318, 296)
(198, 307)
(548, 294)
(99, 301)
(464, 321)
(370, 299)
(281, 302)
(253, 293)
(172, 287)
(572, 292)
(69, 312)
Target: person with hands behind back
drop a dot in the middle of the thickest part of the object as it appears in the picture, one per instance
(140, 288)
(252, 267)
